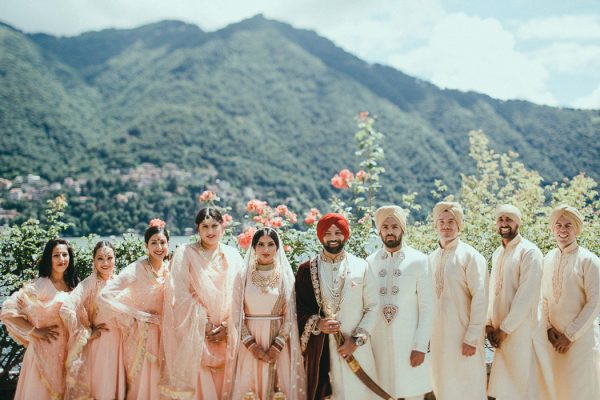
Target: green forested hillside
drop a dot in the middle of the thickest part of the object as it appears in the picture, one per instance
(267, 108)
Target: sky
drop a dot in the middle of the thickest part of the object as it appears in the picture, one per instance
(544, 51)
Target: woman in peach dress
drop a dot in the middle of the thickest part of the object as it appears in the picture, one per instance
(196, 311)
(266, 360)
(135, 297)
(95, 358)
(32, 318)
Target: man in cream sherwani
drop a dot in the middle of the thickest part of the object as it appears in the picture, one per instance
(571, 296)
(513, 325)
(460, 279)
(403, 329)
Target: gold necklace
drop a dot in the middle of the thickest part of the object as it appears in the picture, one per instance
(265, 282)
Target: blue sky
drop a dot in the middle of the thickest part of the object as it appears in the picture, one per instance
(547, 52)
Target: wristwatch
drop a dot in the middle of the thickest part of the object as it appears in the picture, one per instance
(358, 340)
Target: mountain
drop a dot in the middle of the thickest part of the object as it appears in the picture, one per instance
(261, 107)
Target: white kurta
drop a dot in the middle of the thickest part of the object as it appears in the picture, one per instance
(513, 307)
(571, 295)
(460, 282)
(358, 311)
(405, 282)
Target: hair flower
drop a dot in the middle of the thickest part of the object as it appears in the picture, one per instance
(158, 223)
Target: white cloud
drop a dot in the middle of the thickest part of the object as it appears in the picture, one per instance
(569, 57)
(590, 101)
(561, 27)
(451, 50)
(372, 29)
(470, 53)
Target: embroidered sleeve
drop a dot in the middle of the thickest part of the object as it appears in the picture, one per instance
(309, 329)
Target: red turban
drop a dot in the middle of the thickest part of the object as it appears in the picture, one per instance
(330, 219)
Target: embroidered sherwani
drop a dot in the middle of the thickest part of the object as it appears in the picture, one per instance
(571, 296)
(404, 320)
(513, 307)
(326, 371)
(460, 281)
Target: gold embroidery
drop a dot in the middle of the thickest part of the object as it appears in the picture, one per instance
(140, 352)
(308, 329)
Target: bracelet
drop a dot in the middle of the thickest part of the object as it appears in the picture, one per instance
(315, 320)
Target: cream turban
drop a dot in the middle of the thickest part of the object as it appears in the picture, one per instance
(453, 208)
(570, 213)
(395, 212)
(510, 211)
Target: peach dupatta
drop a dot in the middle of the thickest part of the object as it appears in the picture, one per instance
(39, 303)
(94, 369)
(135, 300)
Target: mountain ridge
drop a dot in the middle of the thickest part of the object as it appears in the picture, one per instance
(268, 106)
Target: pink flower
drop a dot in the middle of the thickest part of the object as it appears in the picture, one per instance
(256, 206)
(310, 219)
(277, 222)
(364, 219)
(287, 248)
(363, 115)
(346, 175)
(281, 209)
(245, 238)
(312, 215)
(362, 176)
(227, 219)
(207, 196)
(257, 218)
(341, 180)
(158, 223)
(292, 217)
(338, 183)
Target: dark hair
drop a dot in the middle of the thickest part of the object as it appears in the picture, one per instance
(265, 232)
(101, 244)
(208, 213)
(153, 230)
(45, 262)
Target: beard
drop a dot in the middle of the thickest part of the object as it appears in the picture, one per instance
(510, 234)
(391, 241)
(334, 246)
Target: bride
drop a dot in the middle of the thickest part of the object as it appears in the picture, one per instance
(266, 362)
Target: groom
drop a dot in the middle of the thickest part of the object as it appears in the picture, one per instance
(337, 305)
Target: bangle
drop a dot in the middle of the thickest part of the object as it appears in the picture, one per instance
(277, 346)
(250, 343)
